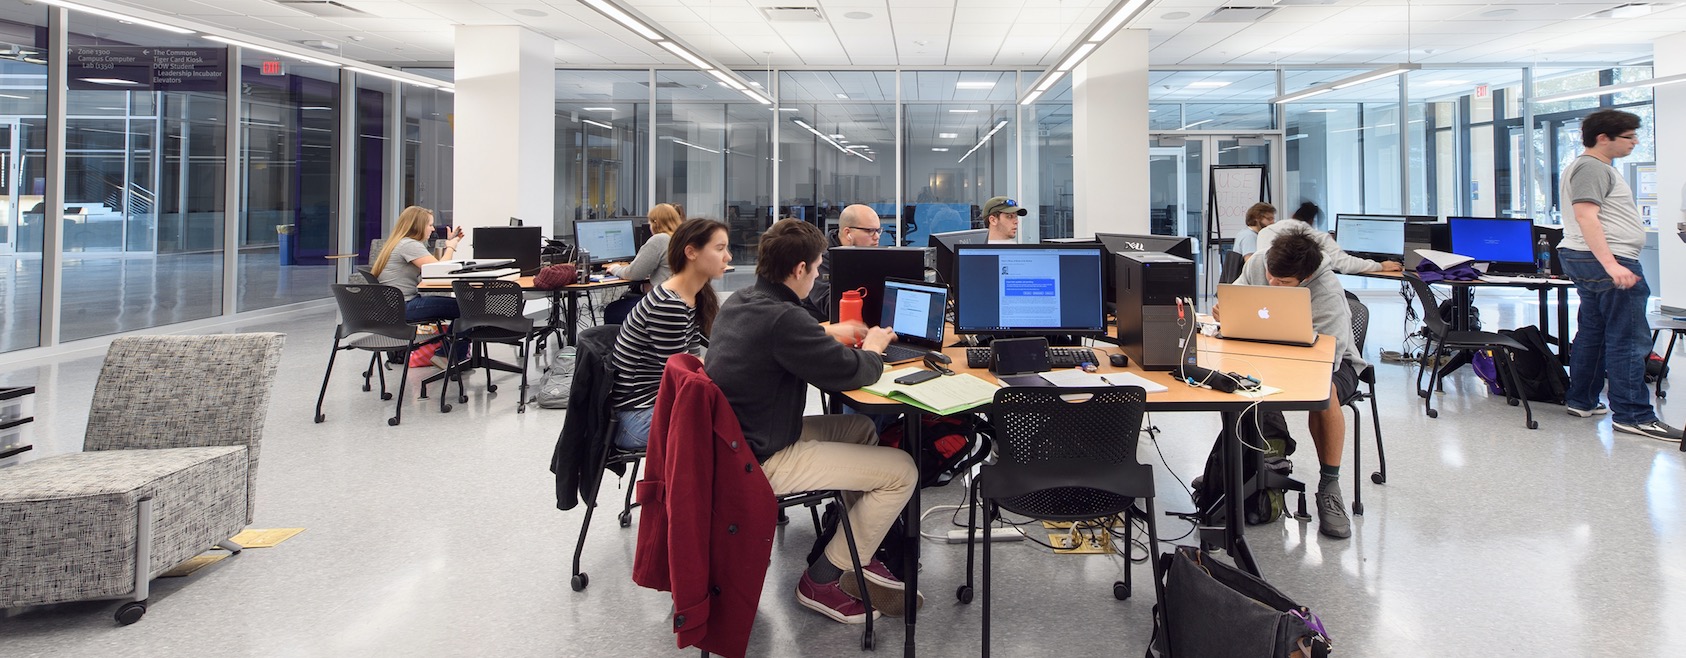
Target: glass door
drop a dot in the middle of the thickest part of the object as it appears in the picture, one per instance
(9, 188)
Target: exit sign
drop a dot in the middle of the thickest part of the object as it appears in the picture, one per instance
(1482, 91)
(272, 67)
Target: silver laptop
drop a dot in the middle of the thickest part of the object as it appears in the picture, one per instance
(914, 309)
(1267, 314)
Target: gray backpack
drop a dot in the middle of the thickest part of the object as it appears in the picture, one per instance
(558, 380)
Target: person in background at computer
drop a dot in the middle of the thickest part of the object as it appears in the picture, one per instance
(1340, 260)
(400, 259)
(764, 353)
(651, 263)
(1258, 217)
(857, 226)
(677, 316)
(1296, 258)
(1001, 217)
(1600, 253)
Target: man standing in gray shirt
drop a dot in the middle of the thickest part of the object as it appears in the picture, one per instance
(1600, 252)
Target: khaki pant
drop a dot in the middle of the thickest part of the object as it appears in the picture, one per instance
(842, 452)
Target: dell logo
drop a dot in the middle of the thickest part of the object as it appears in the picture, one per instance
(1136, 246)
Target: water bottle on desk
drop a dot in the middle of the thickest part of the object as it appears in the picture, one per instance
(584, 265)
(1542, 255)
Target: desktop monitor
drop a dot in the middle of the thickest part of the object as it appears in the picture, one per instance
(942, 245)
(1174, 245)
(867, 267)
(516, 221)
(1029, 290)
(1376, 237)
(607, 240)
(521, 243)
(1504, 243)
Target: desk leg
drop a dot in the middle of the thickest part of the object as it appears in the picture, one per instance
(573, 315)
(1545, 327)
(911, 439)
(1563, 339)
(1235, 522)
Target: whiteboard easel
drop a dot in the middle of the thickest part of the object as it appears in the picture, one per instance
(1230, 191)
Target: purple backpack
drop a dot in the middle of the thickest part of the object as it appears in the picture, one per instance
(1487, 370)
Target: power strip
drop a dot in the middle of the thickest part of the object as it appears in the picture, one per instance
(995, 534)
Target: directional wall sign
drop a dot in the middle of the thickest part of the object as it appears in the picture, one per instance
(148, 68)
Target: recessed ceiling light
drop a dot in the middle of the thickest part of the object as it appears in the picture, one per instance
(940, 149)
(598, 109)
(857, 15)
(785, 109)
(963, 111)
(842, 97)
(974, 84)
(1323, 110)
(531, 12)
(1208, 84)
(947, 135)
(1175, 16)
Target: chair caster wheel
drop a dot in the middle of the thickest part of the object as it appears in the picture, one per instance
(445, 409)
(866, 641)
(321, 417)
(1513, 401)
(963, 594)
(579, 581)
(392, 422)
(366, 388)
(625, 519)
(386, 396)
(1533, 424)
(1662, 394)
(491, 388)
(1378, 478)
(1433, 414)
(130, 612)
(1120, 591)
(1358, 508)
(462, 399)
(784, 519)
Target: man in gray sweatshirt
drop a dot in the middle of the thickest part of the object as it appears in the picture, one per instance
(1295, 258)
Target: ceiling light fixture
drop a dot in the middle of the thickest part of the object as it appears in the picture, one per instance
(117, 16)
(842, 97)
(998, 126)
(947, 135)
(828, 139)
(686, 55)
(940, 149)
(272, 51)
(598, 109)
(682, 142)
(727, 79)
(1344, 83)
(599, 124)
(962, 111)
(1611, 89)
(620, 16)
(109, 81)
(975, 84)
(391, 76)
(1122, 12)
(1208, 84)
(636, 22)
(1186, 127)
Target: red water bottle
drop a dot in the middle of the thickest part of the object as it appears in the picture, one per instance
(849, 307)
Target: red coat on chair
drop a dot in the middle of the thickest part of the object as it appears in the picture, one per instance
(705, 532)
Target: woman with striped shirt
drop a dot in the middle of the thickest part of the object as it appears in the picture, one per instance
(675, 317)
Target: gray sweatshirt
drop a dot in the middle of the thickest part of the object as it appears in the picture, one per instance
(651, 262)
(1329, 311)
(1333, 256)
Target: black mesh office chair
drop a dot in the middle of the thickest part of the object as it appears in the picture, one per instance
(1061, 460)
(372, 319)
(1232, 265)
(489, 312)
(1360, 333)
(596, 345)
(1440, 337)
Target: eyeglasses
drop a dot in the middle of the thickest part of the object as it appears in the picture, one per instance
(1634, 137)
(873, 231)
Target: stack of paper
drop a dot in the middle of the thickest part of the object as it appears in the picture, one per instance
(944, 395)
(1073, 377)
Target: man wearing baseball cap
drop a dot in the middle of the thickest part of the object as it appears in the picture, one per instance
(1001, 216)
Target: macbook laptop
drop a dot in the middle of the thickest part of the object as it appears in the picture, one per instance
(914, 309)
(1267, 314)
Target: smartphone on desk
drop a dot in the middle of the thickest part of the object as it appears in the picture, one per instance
(917, 377)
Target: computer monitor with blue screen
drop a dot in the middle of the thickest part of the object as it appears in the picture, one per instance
(1377, 237)
(1506, 244)
(607, 240)
(1029, 289)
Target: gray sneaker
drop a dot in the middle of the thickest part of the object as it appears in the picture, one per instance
(1331, 515)
(1588, 413)
(1654, 429)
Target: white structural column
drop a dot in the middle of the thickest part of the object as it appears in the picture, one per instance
(1670, 100)
(505, 128)
(1109, 137)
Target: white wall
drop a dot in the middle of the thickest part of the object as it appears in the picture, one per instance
(1670, 102)
(505, 146)
(1109, 137)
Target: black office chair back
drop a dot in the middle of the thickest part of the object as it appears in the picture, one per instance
(1425, 299)
(1233, 262)
(364, 275)
(373, 309)
(1360, 321)
(1063, 459)
(489, 305)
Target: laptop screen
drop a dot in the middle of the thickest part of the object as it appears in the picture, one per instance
(915, 310)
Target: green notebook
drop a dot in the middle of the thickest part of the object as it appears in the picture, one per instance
(949, 394)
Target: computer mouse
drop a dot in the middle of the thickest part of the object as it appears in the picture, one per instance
(1118, 360)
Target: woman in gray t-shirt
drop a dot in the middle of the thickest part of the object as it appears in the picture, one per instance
(399, 264)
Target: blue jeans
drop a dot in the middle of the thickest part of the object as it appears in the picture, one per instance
(1611, 340)
(427, 307)
(633, 431)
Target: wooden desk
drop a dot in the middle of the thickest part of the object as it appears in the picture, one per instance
(564, 323)
(1305, 386)
(1323, 351)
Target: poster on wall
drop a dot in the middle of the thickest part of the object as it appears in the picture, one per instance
(147, 68)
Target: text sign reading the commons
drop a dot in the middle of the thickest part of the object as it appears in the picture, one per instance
(145, 68)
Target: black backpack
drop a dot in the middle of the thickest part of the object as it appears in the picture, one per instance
(1269, 503)
(1542, 375)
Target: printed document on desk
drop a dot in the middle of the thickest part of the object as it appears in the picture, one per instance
(942, 396)
(1073, 377)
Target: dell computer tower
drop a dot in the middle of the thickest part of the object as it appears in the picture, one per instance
(1149, 285)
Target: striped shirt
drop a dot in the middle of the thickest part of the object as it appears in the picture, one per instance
(660, 326)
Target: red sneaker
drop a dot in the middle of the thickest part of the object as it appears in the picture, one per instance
(889, 594)
(830, 600)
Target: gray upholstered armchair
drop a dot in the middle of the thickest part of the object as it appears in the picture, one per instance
(168, 469)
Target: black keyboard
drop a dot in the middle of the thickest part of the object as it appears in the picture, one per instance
(1058, 357)
(895, 353)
